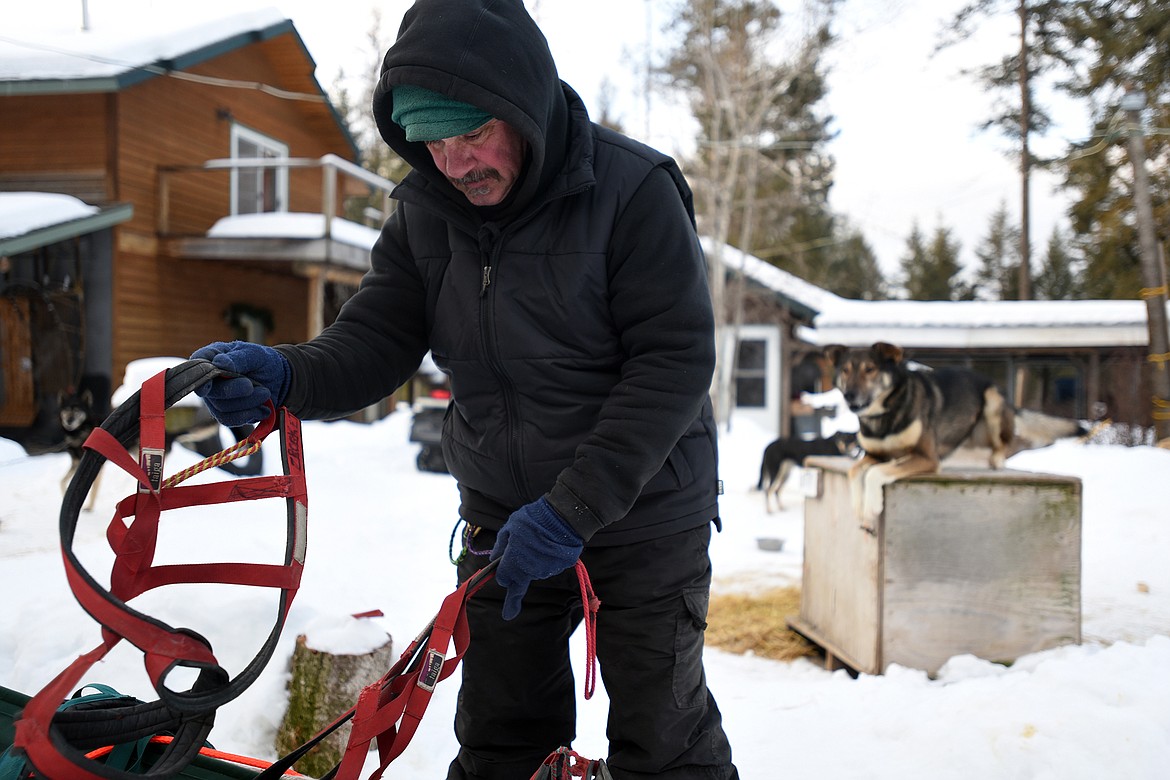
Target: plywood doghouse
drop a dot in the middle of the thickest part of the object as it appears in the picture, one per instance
(980, 562)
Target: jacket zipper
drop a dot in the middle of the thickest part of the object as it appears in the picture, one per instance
(491, 246)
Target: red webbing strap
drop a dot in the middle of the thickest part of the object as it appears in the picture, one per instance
(388, 711)
(33, 727)
(52, 747)
(138, 543)
(249, 489)
(450, 629)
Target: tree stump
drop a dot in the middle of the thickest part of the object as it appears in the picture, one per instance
(322, 686)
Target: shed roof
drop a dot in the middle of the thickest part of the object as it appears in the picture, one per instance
(983, 324)
(949, 324)
(29, 220)
(803, 298)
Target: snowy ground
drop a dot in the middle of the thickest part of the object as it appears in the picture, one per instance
(379, 533)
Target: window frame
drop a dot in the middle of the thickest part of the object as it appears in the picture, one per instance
(267, 144)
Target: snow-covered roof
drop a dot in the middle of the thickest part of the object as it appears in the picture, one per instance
(33, 219)
(950, 324)
(52, 59)
(24, 212)
(803, 296)
(983, 324)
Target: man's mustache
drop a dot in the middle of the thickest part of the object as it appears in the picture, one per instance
(477, 176)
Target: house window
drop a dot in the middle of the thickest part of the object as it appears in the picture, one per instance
(751, 375)
(258, 190)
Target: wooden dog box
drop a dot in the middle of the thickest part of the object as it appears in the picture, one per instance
(967, 561)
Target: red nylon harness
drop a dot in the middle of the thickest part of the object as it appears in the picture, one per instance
(388, 711)
(57, 743)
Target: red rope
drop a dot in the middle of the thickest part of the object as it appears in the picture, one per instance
(591, 604)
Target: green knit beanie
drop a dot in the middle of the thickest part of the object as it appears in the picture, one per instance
(426, 115)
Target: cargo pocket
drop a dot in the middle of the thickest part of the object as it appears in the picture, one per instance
(690, 686)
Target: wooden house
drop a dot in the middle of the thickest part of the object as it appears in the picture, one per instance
(217, 168)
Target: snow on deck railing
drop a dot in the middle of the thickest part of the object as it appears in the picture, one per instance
(330, 164)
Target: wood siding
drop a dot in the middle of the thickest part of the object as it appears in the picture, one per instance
(53, 132)
(56, 144)
(172, 307)
(170, 122)
(169, 306)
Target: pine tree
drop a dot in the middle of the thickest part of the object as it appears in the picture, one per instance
(1058, 279)
(997, 277)
(853, 268)
(931, 270)
(1018, 115)
(1122, 45)
(761, 168)
(827, 251)
(915, 265)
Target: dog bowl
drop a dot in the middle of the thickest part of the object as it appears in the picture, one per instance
(770, 543)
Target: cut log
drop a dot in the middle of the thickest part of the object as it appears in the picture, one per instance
(322, 686)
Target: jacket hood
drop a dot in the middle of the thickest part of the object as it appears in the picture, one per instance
(488, 53)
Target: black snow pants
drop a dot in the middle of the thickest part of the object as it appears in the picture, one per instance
(517, 703)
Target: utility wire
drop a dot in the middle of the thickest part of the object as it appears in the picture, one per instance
(158, 70)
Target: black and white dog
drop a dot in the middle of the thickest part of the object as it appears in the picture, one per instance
(784, 453)
(75, 412)
(198, 432)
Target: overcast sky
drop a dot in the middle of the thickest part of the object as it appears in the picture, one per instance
(908, 147)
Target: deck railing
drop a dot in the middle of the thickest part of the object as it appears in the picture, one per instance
(332, 168)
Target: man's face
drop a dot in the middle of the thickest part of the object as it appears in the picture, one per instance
(483, 164)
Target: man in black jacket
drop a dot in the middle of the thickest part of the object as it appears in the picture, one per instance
(552, 269)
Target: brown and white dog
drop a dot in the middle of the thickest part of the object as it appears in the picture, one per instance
(911, 417)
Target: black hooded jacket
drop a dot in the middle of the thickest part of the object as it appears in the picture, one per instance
(574, 320)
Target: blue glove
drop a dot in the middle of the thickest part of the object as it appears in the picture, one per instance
(534, 544)
(264, 375)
